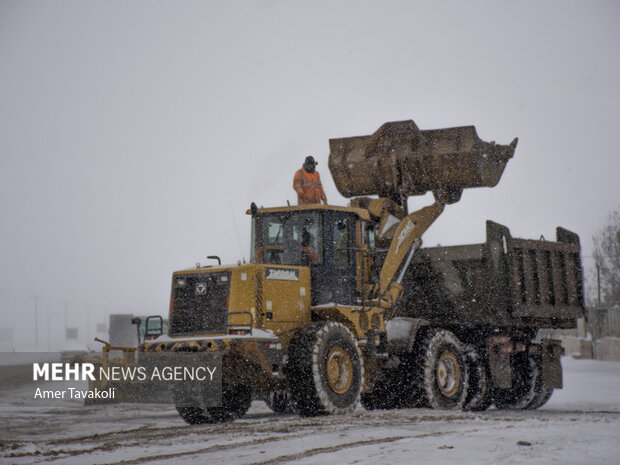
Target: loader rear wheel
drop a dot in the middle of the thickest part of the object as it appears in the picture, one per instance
(236, 401)
(445, 377)
(396, 389)
(385, 395)
(325, 370)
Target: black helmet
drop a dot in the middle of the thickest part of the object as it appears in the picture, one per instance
(309, 164)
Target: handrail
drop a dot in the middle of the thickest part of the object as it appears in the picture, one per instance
(229, 325)
(365, 253)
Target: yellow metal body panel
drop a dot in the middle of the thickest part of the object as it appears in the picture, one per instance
(285, 300)
(359, 322)
(276, 296)
(243, 357)
(243, 296)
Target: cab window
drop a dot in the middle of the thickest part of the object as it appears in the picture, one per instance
(291, 238)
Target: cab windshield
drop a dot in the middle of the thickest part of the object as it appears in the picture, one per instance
(288, 238)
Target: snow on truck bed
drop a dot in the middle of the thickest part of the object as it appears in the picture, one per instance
(579, 425)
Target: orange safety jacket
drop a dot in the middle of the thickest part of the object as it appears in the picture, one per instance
(313, 257)
(308, 186)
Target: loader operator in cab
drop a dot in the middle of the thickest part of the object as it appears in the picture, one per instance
(307, 184)
(308, 253)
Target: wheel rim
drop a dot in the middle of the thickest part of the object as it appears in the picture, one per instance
(448, 374)
(339, 370)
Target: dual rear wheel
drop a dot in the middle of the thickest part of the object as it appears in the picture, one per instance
(444, 373)
(456, 376)
(436, 374)
(528, 391)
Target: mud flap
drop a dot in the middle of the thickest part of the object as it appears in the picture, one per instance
(500, 348)
(552, 351)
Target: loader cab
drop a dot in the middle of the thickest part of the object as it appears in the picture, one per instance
(321, 238)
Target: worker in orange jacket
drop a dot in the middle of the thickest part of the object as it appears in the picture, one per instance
(307, 183)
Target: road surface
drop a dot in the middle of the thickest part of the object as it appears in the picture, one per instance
(580, 424)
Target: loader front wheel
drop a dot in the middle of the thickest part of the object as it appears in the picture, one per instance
(445, 378)
(325, 370)
(236, 401)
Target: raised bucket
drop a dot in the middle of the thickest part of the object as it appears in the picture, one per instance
(400, 160)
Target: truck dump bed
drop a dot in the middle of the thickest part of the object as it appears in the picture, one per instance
(503, 282)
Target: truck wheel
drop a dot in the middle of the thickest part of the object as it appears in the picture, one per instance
(479, 392)
(236, 401)
(542, 394)
(526, 384)
(533, 394)
(445, 376)
(325, 370)
(540, 399)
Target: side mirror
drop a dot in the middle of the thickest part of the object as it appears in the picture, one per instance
(154, 327)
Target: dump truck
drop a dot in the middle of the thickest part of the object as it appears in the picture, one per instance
(341, 305)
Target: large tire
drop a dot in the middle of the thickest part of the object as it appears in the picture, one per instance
(445, 375)
(541, 394)
(325, 370)
(236, 401)
(541, 398)
(525, 379)
(527, 392)
(479, 393)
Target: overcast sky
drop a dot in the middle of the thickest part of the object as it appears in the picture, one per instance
(135, 134)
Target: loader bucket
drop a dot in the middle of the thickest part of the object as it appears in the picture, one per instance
(400, 160)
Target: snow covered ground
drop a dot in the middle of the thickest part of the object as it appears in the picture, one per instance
(579, 425)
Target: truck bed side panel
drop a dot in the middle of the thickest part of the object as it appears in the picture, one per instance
(503, 282)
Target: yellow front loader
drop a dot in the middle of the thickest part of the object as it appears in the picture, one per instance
(316, 320)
